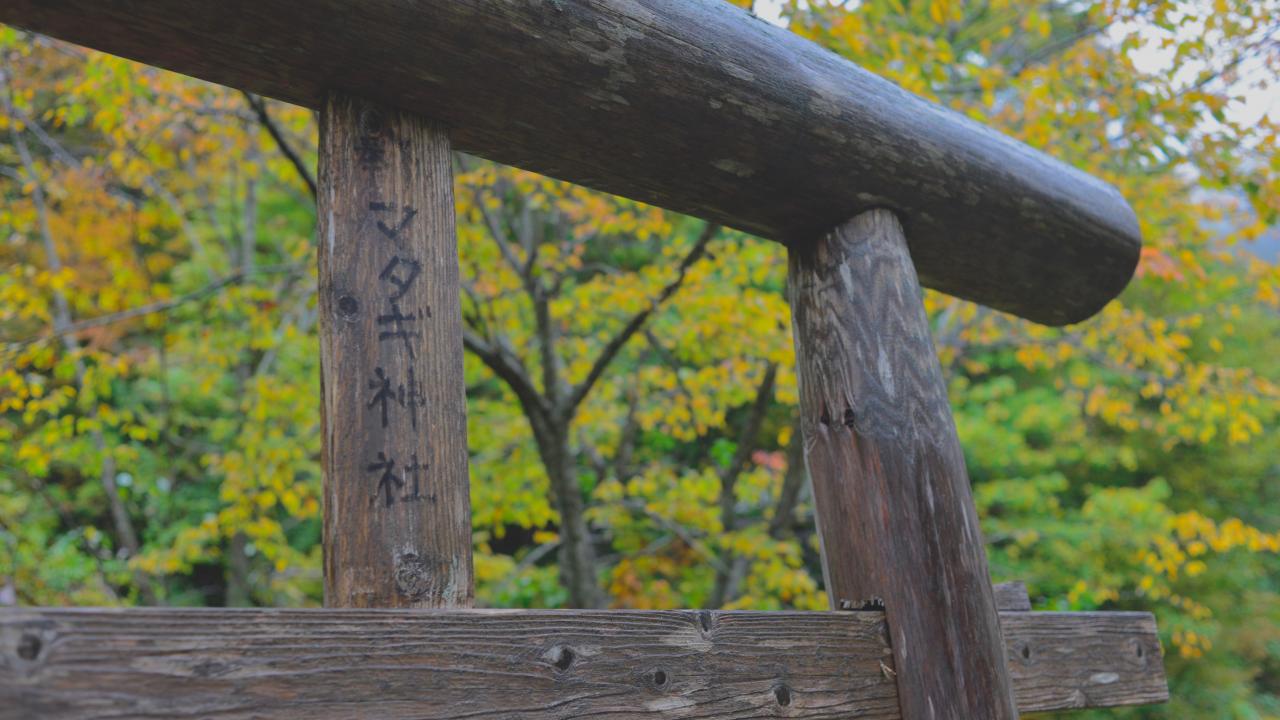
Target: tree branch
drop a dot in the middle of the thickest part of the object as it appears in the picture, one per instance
(637, 505)
(615, 345)
(751, 426)
(728, 578)
(73, 328)
(510, 370)
(259, 107)
(780, 525)
(538, 295)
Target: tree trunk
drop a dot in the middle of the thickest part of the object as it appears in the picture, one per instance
(577, 555)
(239, 593)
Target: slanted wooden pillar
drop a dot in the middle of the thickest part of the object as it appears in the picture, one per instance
(397, 511)
(895, 512)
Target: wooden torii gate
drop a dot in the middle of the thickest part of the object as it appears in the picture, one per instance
(695, 106)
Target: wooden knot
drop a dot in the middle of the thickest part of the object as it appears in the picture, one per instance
(1139, 650)
(29, 646)
(348, 306)
(415, 577)
(373, 133)
(562, 657)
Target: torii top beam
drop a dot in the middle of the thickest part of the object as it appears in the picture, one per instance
(692, 105)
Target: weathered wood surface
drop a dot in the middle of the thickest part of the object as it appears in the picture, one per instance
(1011, 596)
(397, 510)
(75, 664)
(1061, 661)
(692, 105)
(891, 494)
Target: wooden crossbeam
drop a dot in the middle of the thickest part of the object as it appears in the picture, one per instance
(692, 105)
(74, 664)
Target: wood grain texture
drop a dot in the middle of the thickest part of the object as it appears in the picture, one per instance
(1065, 661)
(397, 509)
(1011, 596)
(76, 664)
(692, 105)
(894, 509)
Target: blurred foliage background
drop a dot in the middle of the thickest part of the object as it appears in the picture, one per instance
(630, 372)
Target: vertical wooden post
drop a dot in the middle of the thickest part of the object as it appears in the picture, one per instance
(397, 510)
(895, 512)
